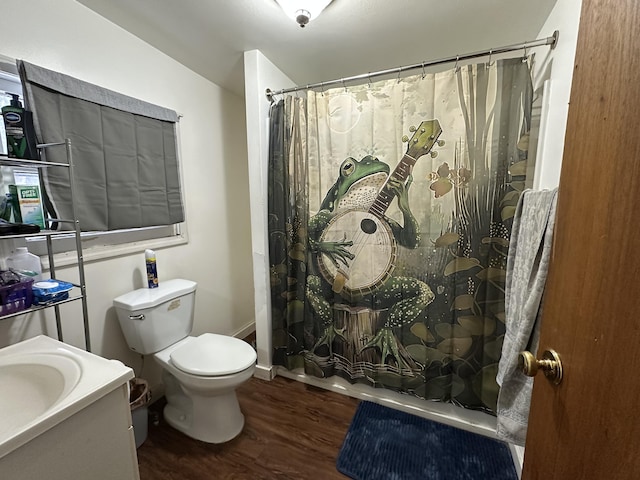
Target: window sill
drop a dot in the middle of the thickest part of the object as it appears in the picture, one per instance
(105, 252)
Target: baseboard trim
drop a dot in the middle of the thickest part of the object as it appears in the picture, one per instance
(245, 331)
(264, 373)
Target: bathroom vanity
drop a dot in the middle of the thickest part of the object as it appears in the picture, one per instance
(64, 413)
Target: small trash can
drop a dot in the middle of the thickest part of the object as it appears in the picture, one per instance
(139, 396)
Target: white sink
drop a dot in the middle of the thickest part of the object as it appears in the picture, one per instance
(44, 381)
(32, 384)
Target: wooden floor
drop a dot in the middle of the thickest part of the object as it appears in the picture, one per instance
(292, 431)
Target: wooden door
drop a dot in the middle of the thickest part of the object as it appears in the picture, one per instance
(588, 427)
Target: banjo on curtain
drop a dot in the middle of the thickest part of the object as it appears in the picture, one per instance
(390, 209)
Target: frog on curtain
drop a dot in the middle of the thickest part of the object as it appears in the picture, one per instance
(355, 245)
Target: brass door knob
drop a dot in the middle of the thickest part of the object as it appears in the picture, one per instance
(550, 365)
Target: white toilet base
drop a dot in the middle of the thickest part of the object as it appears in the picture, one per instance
(218, 418)
(216, 428)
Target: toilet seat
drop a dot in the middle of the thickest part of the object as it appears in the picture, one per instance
(211, 355)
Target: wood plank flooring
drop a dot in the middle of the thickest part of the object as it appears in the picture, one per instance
(292, 431)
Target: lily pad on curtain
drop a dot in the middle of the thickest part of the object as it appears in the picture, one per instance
(389, 225)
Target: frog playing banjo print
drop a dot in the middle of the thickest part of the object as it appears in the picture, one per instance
(390, 210)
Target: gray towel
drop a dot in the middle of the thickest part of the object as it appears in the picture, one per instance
(527, 267)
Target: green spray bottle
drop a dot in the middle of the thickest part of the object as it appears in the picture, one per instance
(18, 124)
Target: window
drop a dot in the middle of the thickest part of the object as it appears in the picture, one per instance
(96, 244)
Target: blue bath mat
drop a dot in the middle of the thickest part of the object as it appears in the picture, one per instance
(384, 444)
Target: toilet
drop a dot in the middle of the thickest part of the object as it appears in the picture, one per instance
(201, 373)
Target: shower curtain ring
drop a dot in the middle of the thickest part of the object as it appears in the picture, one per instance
(345, 86)
(399, 72)
(456, 67)
(490, 55)
(424, 74)
(524, 56)
(322, 88)
(369, 78)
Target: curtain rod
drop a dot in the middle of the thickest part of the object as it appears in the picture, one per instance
(552, 41)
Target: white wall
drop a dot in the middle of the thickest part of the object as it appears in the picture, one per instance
(260, 74)
(552, 75)
(67, 37)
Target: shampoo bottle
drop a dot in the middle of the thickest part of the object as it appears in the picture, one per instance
(152, 271)
(18, 124)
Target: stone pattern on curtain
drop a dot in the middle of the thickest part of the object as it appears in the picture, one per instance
(399, 285)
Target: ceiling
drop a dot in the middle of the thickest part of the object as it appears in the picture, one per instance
(350, 37)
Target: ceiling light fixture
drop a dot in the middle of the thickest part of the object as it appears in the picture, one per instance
(303, 11)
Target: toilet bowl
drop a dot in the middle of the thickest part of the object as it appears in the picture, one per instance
(200, 374)
(201, 392)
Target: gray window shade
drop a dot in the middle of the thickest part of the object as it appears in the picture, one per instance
(124, 152)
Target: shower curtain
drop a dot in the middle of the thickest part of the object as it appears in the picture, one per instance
(390, 210)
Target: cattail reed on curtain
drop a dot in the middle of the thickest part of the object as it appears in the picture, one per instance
(390, 209)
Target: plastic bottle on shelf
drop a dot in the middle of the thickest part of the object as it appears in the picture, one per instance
(152, 269)
(25, 263)
(18, 123)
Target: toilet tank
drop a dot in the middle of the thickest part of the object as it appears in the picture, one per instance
(154, 318)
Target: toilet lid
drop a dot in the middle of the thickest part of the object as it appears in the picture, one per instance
(212, 355)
